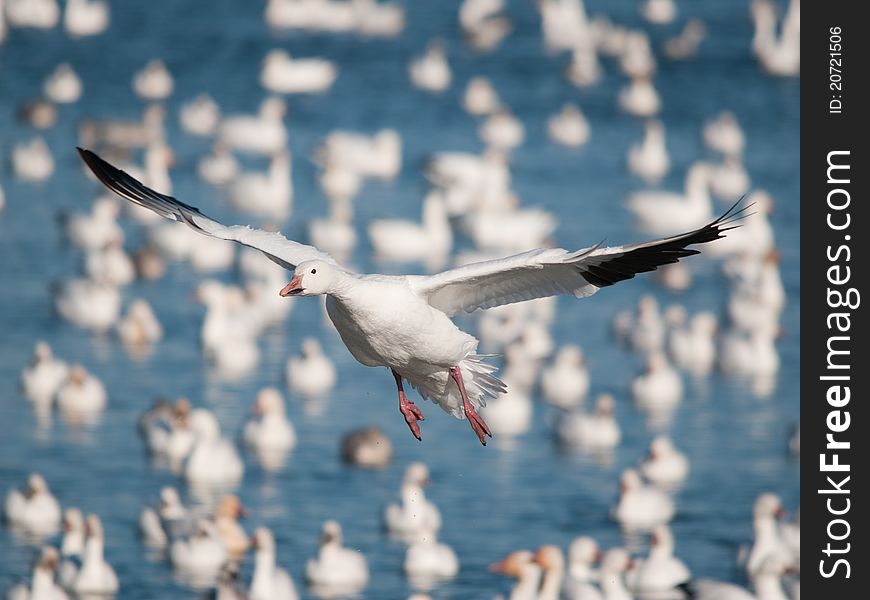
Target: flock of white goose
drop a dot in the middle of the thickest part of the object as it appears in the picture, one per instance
(471, 192)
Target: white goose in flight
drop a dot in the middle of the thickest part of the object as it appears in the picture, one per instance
(403, 322)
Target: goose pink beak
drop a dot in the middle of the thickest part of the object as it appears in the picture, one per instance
(293, 288)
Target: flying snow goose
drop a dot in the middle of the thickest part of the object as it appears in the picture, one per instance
(403, 322)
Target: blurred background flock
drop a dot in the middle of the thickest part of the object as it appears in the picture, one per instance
(155, 388)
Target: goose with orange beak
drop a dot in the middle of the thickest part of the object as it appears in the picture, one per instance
(403, 322)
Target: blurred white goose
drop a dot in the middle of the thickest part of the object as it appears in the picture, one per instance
(693, 348)
(81, 393)
(62, 86)
(202, 554)
(95, 576)
(267, 194)
(502, 130)
(510, 231)
(660, 571)
(110, 265)
(213, 460)
(659, 387)
(151, 529)
(659, 12)
(584, 69)
(636, 59)
(73, 542)
(552, 561)
(641, 506)
(645, 331)
(35, 509)
(650, 160)
(378, 156)
(41, 380)
(336, 569)
(32, 161)
(85, 17)
(282, 74)
(563, 22)
(94, 230)
(88, 304)
(42, 584)
(39, 14)
(768, 540)
(367, 447)
(566, 382)
(665, 466)
(509, 414)
(335, 234)
(615, 563)
(399, 240)
(480, 97)
(569, 127)
(597, 430)
(724, 134)
(153, 82)
(208, 255)
(640, 98)
(139, 327)
(379, 19)
(340, 184)
(269, 429)
(686, 44)
(312, 373)
(431, 72)
(665, 213)
(729, 180)
(269, 582)
(200, 116)
(750, 354)
(218, 167)
(232, 534)
(712, 589)
(778, 55)
(264, 133)
(413, 514)
(768, 582)
(577, 585)
(427, 560)
(521, 566)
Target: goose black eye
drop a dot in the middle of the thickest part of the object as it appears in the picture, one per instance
(313, 271)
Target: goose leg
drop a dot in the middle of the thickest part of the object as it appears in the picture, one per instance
(475, 420)
(409, 410)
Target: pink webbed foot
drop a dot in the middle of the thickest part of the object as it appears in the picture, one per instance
(474, 419)
(412, 414)
(409, 410)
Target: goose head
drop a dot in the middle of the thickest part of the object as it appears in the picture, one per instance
(312, 278)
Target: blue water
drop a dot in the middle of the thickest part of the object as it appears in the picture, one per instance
(493, 499)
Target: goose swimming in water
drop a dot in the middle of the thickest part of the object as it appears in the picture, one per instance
(403, 322)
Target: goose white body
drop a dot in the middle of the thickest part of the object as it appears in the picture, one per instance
(404, 322)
